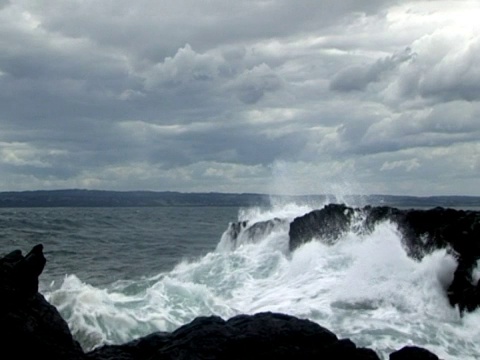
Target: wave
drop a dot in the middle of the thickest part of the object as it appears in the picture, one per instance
(364, 285)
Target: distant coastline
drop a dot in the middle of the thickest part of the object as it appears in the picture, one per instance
(103, 198)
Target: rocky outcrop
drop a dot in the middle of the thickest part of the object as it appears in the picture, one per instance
(260, 336)
(422, 232)
(463, 291)
(31, 328)
(327, 224)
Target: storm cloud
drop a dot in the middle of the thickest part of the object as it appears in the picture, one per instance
(254, 96)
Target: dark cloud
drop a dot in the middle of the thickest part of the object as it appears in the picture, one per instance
(155, 29)
(252, 85)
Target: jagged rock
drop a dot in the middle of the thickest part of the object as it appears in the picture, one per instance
(440, 228)
(327, 224)
(422, 232)
(30, 327)
(28, 269)
(427, 229)
(462, 291)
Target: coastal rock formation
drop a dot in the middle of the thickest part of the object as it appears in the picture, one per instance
(260, 336)
(327, 224)
(30, 327)
(422, 230)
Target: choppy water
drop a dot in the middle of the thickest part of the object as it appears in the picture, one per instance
(116, 274)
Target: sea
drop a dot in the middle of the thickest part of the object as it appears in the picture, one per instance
(116, 274)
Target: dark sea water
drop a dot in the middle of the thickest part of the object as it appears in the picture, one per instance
(102, 245)
(119, 273)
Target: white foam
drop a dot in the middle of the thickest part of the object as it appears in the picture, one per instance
(364, 287)
(282, 210)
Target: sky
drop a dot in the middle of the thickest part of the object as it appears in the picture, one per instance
(263, 96)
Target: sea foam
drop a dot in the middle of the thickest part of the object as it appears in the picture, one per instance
(363, 287)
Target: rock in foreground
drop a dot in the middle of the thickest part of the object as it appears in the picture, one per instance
(260, 336)
(30, 327)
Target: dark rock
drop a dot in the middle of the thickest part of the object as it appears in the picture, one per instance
(327, 224)
(142, 348)
(426, 229)
(413, 353)
(462, 291)
(28, 269)
(346, 349)
(260, 336)
(30, 327)
(440, 228)
(422, 232)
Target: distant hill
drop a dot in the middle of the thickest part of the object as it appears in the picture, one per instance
(100, 198)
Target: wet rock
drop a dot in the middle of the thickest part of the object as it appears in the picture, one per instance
(30, 327)
(260, 336)
(326, 224)
(422, 232)
(413, 353)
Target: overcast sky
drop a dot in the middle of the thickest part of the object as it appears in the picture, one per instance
(266, 96)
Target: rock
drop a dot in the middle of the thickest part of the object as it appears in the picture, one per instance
(327, 224)
(462, 291)
(259, 336)
(413, 353)
(30, 327)
(422, 231)
(427, 229)
(28, 269)
(441, 228)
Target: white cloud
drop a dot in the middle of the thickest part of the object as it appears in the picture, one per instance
(24, 154)
(185, 67)
(358, 77)
(445, 68)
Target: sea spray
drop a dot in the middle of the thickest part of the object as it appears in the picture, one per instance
(363, 287)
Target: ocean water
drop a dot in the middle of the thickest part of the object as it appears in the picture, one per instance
(119, 273)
